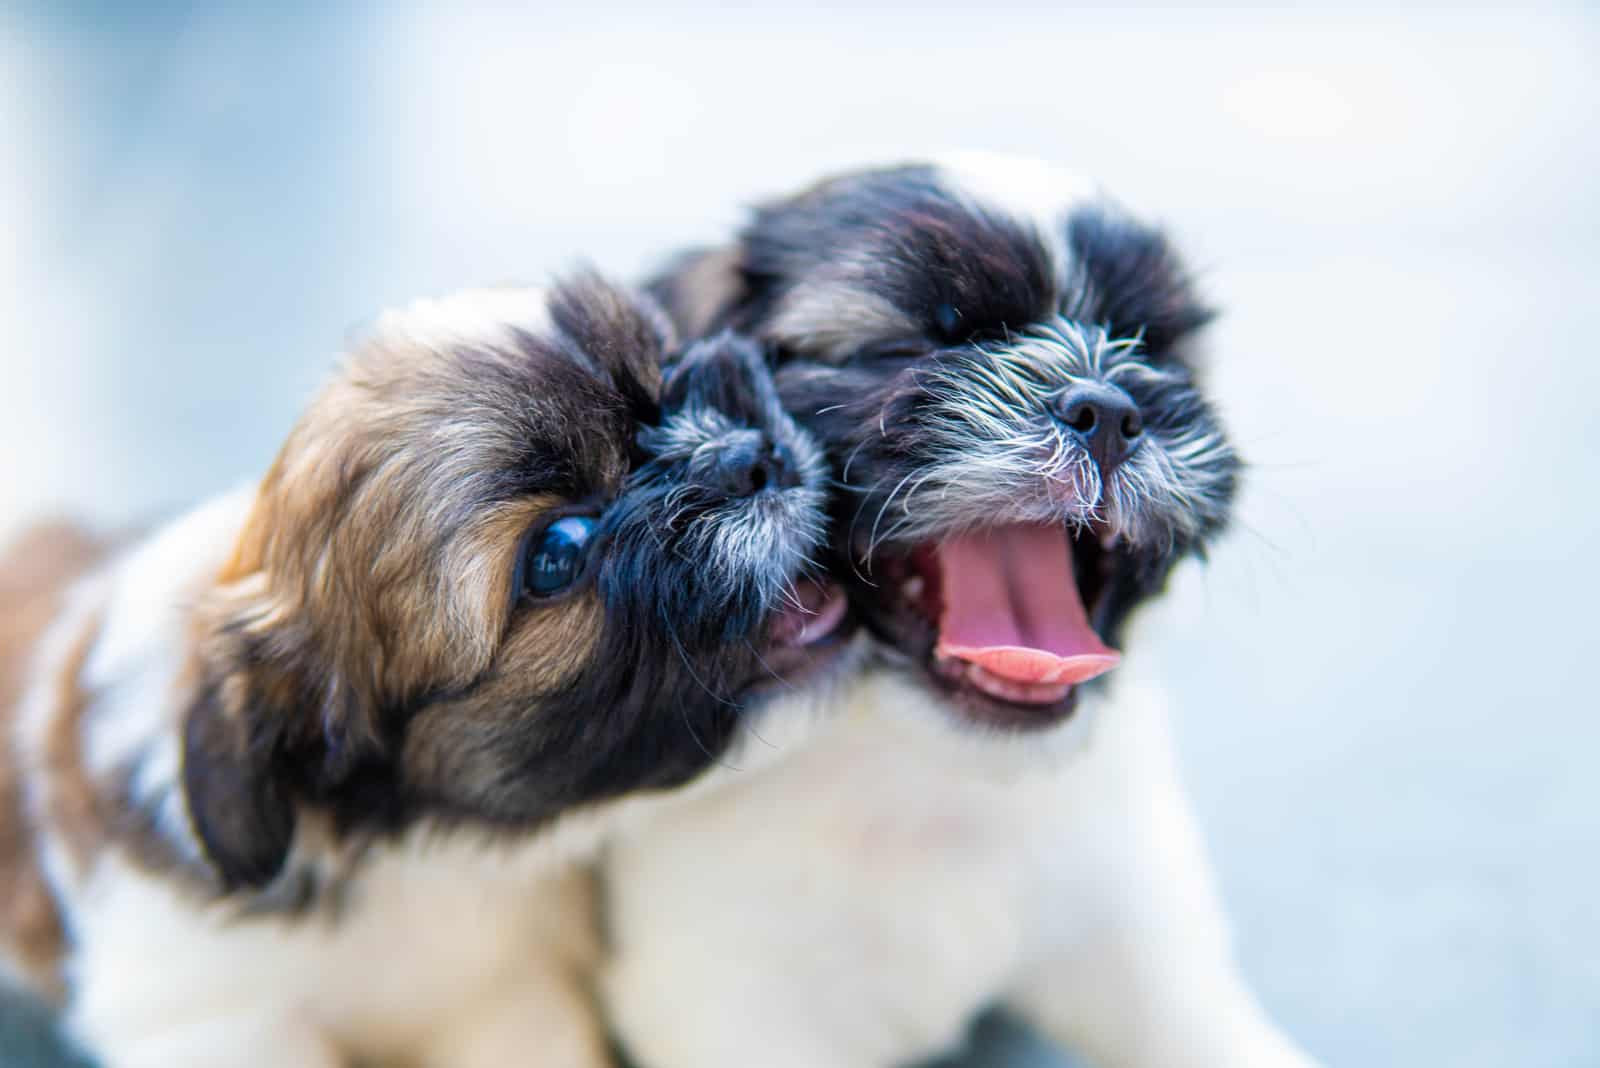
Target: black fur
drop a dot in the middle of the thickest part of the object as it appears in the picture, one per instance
(662, 697)
(1137, 285)
(238, 803)
(959, 273)
(967, 282)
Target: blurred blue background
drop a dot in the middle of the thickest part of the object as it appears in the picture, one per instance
(1388, 715)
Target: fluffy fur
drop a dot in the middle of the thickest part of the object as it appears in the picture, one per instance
(934, 848)
(292, 779)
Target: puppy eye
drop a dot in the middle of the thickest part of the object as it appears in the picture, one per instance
(555, 557)
(947, 317)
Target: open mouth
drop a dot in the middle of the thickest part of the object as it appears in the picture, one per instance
(808, 630)
(999, 618)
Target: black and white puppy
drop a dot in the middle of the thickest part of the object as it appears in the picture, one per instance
(292, 780)
(1000, 363)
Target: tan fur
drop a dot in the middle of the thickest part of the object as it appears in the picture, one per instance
(34, 574)
(78, 808)
(336, 536)
(442, 742)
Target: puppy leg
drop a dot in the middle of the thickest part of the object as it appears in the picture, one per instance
(739, 1018)
(1144, 976)
(255, 1041)
(542, 1021)
(1123, 1004)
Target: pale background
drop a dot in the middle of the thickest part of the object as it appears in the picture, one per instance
(1388, 716)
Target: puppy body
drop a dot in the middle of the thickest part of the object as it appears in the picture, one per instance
(300, 777)
(856, 903)
(431, 931)
(975, 823)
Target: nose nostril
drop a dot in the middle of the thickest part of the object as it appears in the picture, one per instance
(784, 473)
(757, 479)
(1101, 419)
(1082, 418)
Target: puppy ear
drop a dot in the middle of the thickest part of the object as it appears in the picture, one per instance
(238, 803)
(269, 722)
(699, 287)
(278, 719)
(1137, 282)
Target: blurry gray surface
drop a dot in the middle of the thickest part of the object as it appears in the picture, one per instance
(1386, 716)
(27, 1041)
(1000, 1042)
(28, 1038)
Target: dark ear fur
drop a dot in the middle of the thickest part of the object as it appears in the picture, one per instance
(1139, 284)
(264, 733)
(238, 803)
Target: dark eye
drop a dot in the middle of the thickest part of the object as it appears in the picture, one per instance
(947, 317)
(555, 557)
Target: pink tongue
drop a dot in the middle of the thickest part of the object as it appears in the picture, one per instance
(1012, 607)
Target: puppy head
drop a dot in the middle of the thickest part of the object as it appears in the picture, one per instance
(501, 569)
(999, 362)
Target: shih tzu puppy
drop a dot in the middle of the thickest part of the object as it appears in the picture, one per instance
(1001, 364)
(291, 781)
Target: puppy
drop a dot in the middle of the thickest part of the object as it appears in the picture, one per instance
(1001, 364)
(291, 780)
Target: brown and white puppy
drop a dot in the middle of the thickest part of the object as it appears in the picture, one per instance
(1001, 363)
(291, 780)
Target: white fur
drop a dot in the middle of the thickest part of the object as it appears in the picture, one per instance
(483, 316)
(1031, 191)
(889, 872)
(140, 649)
(133, 666)
(857, 902)
(1003, 455)
(430, 935)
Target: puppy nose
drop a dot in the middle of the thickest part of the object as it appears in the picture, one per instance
(750, 467)
(1103, 419)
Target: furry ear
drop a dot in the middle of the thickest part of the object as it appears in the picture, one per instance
(1137, 283)
(274, 723)
(267, 726)
(238, 803)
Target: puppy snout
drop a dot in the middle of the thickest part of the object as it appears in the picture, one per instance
(752, 463)
(1103, 419)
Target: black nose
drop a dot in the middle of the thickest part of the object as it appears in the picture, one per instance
(749, 467)
(1103, 419)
